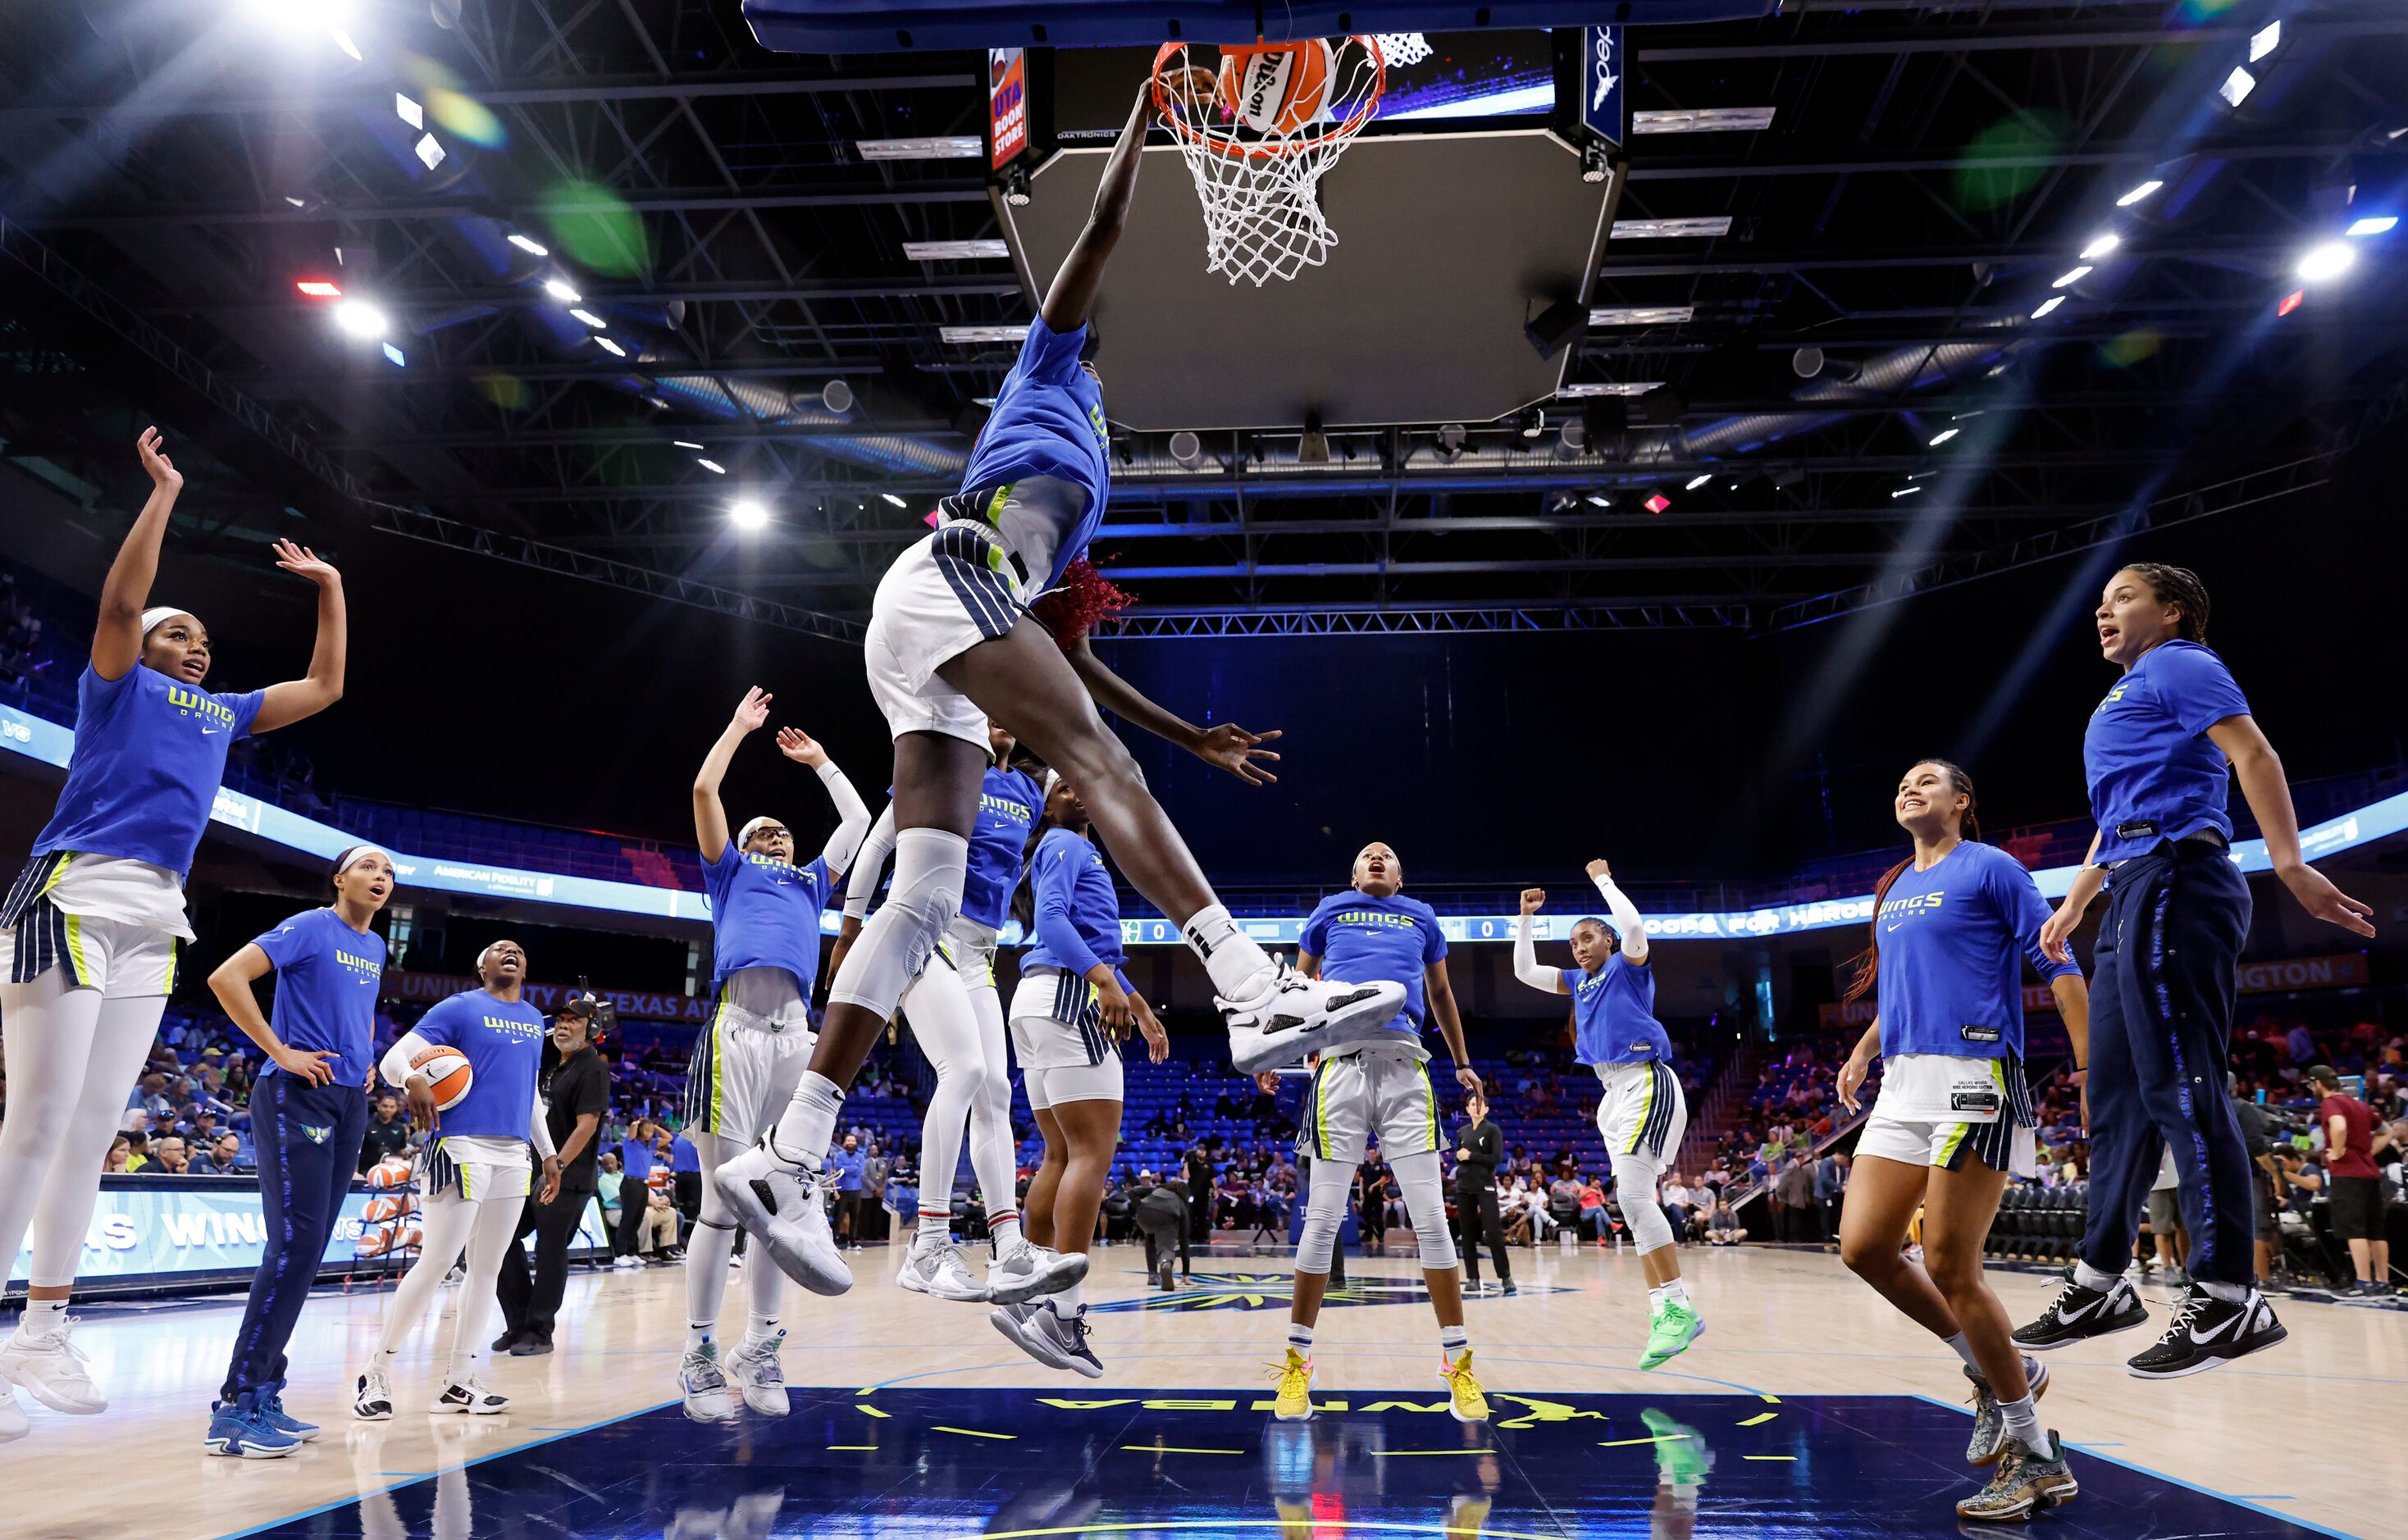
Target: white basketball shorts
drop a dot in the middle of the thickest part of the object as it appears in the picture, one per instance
(1375, 1087)
(1640, 1111)
(1941, 1109)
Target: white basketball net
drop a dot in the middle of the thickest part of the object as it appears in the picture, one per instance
(1403, 48)
(1259, 189)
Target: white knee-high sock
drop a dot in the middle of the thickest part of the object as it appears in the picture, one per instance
(48, 1041)
(992, 1150)
(947, 1029)
(1240, 967)
(444, 1221)
(489, 1237)
(121, 1045)
(765, 1290)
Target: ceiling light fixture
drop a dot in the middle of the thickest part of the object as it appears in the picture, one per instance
(320, 289)
(529, 245)
(2265, 40)
(1656, 504)
(1696, 481)
(2374, 224)
(409, 111)
(684, 444)
(713, 467)
(609, 347)
(394, 354)
(561, 291)
(428, 151)
(590, 319)
(2047, 304)
(892, 498)
(2324, 260)
(361, 319)
(2145, 191)
(1897, 492)
(2237, 86)
(1943, 436)
(747, 514)
(2067, 279)
(2100, 245)
(955, 250)
(2290, 302)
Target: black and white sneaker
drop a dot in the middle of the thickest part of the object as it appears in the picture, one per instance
(2079, 1313)
(373, 1401)
(1294, 1016)
(2207, 1331)
(469, 1396)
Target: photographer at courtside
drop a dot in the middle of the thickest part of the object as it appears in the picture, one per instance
(576, 1088)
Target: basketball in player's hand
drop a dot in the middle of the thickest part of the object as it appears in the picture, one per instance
(1277, 88)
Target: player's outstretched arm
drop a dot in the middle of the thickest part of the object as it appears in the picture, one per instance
(1225, 745)
(1082, 271)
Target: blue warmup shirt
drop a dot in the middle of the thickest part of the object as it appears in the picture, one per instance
(326, 976)
(1614, 1013)
(682, 1156)
(1077, 913)
(504, 1043)
(765, 914)
(1366, 940)
(1008, 803)
(1950, 981)
(636, 1159)
(1049, 420)
(149, 754)
(2154, 774)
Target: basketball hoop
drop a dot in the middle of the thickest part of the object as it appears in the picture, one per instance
(1258, 127)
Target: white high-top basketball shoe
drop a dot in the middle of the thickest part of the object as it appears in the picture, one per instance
(1294, 1016)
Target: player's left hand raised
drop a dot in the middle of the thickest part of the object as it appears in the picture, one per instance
(1237, 751)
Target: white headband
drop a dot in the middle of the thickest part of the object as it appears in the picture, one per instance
(156, 613)
(744, 835)
(356, 854)
(487, 952)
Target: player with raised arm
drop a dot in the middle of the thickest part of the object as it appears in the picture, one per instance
(1641, 1112)
(951, 645)
(1379, 1086)
(92, 922)
(764, 936)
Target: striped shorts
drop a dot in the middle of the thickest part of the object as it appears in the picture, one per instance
(466, 1169)
(1376, 1091)
(959, 587)
(1640, 1111)
(1911, 1084)
(1056, 1021)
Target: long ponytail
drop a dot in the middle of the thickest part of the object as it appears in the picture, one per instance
(1868, 962)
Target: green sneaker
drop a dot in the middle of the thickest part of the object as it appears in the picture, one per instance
(1676, 1325)
(1682, 1457)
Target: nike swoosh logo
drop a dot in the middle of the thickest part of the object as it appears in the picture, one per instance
(2232, 1325)
(211, 732)
(2079, 1312)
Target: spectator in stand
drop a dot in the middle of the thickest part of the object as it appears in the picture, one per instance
(2258, 1136)
(2357, 1206)
(2166, 1232)
(118, 1152)
(685, 1175)
(1799, 1217)
(388, 1132)
(844, 1167)
(1593, 1220)
(636, 1166)
(1722, 1225)
(222, 1159)
(172, 1158)
(610, 1178)
(1831, 1182)
(1685, 1206)
(656, 1225)
(2301, 1044)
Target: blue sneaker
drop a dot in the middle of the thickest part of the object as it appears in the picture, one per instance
(272, 1412)
(237, 1429)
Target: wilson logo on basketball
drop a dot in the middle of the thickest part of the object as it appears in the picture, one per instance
(1266, 89)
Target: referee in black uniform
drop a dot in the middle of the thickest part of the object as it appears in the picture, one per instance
(1475, 1193)
(577, 1094)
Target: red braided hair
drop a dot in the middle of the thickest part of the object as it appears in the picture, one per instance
(1084, 598)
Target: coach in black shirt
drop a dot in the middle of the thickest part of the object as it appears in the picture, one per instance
(1475, 1193)
(577, 1094)
(388, 1132)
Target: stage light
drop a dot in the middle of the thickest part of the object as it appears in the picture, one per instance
(320, 289)
(590, 319)
(1943, 436)
(892, 498)
(2047, 304)
(2265, 40)
(2290, 302)
(609, 347)
(2072, 277)
(561, 291)
(1898, 493)
(2324, 260)
(2374, 224)
(394, 354)
(2139, 193)
(361, 319)
(747, 514)
(2237, 87)
(713, 467)
(2100, 245)
(1696, 481)
(409, 111)
(529, 245)
(1656, 504)
(428, 151)
(684, 444)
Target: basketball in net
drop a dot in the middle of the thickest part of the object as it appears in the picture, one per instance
(1257, 127)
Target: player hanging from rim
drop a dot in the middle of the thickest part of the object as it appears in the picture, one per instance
(472, 1174)
(2167, 960)
(1640, 1111)
(94, 919)
(765, 937)
(956, 1013)
(1379, 1086)
(1069, 1010)
(1954, 1116)
(308, 1117)
(950, 646)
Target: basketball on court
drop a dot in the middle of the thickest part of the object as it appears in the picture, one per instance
(1279, 87)
(447, 1074)
(1074, 769)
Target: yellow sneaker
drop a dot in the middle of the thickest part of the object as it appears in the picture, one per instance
(1295, 1402)
(1465, 1398)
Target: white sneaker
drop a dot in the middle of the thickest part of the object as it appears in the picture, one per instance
(1064, 1336)
(705, 1386)
(471, 1397)
(1294, 1016)
(53, 1371)
(1027, 1271)
(781, 1204)
(761, 1376)
(373, 1401)
(14, 1424)
(627, 1262)
(935, 1267)
(1019, 1323)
